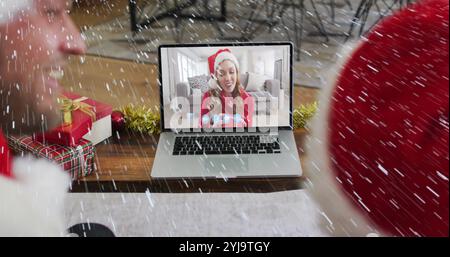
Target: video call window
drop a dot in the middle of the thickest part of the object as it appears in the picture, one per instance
(226, 87)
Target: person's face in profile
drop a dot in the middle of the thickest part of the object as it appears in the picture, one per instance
(227, 76)
(34, 47)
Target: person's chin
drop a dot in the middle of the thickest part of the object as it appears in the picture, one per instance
(229, 90)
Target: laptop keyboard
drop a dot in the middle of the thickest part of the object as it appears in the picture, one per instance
(246, 144)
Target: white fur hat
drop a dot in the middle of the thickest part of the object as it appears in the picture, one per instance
(223, 56)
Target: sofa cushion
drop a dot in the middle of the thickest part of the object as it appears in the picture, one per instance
(256, 82)
(199, 82)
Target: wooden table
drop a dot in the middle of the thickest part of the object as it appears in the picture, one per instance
(123, 164)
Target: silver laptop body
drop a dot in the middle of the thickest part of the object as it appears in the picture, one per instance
(186, 149)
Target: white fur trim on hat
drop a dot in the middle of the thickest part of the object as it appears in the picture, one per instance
(9, 9)
(225, 56)
(340, 217)
(32, 203)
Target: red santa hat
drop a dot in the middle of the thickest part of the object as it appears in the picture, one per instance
(380, 154)
(220, 56)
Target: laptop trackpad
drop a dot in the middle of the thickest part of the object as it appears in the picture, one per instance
(226, 166)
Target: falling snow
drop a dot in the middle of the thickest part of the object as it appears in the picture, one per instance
(131, 76)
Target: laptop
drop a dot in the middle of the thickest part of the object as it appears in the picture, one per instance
(226, 111)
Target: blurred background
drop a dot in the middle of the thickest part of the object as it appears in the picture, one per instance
(123, 36)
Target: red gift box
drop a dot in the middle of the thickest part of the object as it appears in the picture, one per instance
(77, 160)
(70, 135)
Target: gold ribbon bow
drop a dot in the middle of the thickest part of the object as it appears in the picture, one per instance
(68, 106)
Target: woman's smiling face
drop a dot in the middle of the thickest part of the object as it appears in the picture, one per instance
(227, 76)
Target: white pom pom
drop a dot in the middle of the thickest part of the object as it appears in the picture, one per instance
(33, 202)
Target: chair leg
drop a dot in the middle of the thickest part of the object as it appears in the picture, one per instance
(390, 8)
(365, 16)
(322, 29)
(355, 18)
(300, 34)
(349, 4)
(333, 11)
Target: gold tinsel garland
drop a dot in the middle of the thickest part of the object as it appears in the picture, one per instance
(141, 119)
(303, 114)
(145, 120)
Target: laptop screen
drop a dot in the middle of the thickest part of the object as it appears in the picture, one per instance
(214, 87)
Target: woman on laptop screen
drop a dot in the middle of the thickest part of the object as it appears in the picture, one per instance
(225, 104)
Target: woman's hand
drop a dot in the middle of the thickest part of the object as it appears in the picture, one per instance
(223, 120)
(230, 121)
(212, 121)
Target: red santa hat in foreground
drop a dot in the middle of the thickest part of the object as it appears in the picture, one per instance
(379, 150)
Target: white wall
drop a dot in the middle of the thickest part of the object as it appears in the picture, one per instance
(165, 75)
(261, 62)
(243, 62)
(284, 55)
